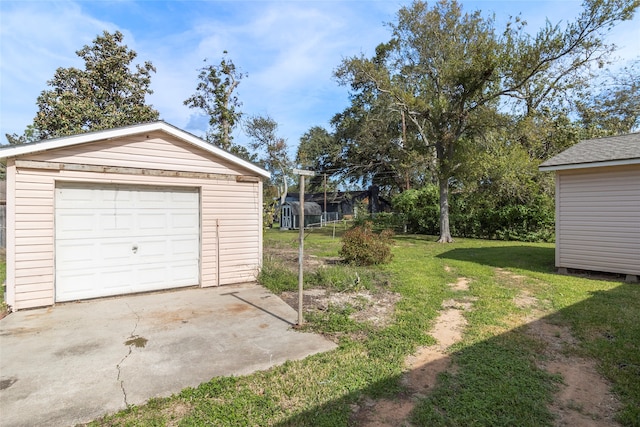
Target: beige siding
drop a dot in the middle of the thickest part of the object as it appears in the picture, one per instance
(598, 219)
(231, 224)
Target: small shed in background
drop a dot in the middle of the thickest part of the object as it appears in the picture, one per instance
(126, 210)
(290, 215)
(598, 205)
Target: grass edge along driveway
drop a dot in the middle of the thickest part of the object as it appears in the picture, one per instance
(496, 380)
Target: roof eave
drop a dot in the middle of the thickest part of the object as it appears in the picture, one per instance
(622, 162)
(68, 141)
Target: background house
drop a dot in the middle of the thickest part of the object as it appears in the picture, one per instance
(598, 205)
(337, 205)
(127, 210)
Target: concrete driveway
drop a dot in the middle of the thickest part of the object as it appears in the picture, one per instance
(78, 361)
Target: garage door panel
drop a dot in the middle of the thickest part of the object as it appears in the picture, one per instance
(182, 197)
(181, 273)
(152, 250)
(81, 252)
(148, 221)
(109, 223)
(73, 225)
(183, 221)
(121, 239)
(88, 283)
(151, 275)
(115, 250)
(183, 248)
(78, 223)
(80, 281)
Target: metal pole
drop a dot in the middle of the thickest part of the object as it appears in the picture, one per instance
(301, 252)
(325, 196)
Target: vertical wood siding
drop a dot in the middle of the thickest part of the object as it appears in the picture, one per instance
(235, 206)
(598, 219)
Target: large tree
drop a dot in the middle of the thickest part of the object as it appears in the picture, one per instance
(443, 68)
(215, 96)
(319, 151)
(379, 146)
(107, 93)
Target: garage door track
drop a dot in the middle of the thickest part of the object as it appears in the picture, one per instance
(75, 362)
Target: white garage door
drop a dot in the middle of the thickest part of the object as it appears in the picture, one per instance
(116, 239)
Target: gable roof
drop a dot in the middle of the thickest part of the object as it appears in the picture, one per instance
(89, 137)
(607, 151)
(310, 208)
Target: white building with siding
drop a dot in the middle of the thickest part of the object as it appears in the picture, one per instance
(127, 210)
(598, 205)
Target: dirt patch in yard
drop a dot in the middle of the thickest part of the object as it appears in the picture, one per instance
(288, 257)
(422, 368)
(175, 413)
(584, 397)
(376, 308)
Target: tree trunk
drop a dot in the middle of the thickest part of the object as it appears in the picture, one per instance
(226, 142)
(445, 234)
(285, 188)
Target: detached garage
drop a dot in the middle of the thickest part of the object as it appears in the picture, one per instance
(134, 209)
(598, 205)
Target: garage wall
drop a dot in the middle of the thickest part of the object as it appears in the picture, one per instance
(231, 213)
(598, 219)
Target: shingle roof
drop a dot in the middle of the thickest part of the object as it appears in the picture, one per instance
(607, 151)
(310, 208)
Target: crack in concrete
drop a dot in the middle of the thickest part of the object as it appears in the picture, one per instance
(124, 392)
(132, 335)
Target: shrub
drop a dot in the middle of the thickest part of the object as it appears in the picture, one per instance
(419, 208)
(361, 246)
(530, 222)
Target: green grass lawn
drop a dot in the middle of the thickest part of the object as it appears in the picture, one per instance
(497, 380)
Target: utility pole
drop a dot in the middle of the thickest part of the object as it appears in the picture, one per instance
(302, 174)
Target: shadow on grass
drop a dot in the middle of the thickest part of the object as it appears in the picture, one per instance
(527, 257)
(498, 381)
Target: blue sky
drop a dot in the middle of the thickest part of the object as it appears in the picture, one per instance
(288, 48)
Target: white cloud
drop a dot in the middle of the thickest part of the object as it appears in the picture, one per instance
(36, 39)
(289, 49)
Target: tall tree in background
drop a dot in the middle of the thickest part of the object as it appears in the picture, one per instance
(30, 134)
(106, 94)
(442, 68)
(615, 108)
(263, 131)
(319, 151)
(379, 147)
(215, 96)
